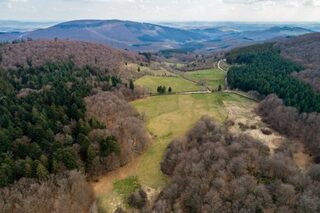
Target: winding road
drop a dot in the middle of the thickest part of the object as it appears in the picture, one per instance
(220, 67)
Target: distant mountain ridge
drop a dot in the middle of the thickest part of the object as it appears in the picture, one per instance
(140, 36)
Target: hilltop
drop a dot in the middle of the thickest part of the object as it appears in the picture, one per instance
(40, 52)
(139, 36)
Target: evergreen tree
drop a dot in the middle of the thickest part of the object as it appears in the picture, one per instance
(131, 85)
(264, 70)
(91, 154)
(42, 173)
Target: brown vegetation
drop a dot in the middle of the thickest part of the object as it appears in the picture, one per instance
(40, 52)
(123, 122)
(67, 192)
(288, 121)
(138, 199)
(215, 171)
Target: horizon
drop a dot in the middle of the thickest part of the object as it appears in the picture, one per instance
(163, 11)
(29, 25)
(159, 21)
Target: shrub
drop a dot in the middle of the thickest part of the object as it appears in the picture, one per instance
(137, 199)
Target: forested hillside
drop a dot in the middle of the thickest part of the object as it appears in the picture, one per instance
(63, 107)
(294, 108)
(39, 52)
(43, 125)
(213, 170)
(261, 68)
(304, 50)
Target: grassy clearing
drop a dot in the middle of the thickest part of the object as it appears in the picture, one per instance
(126, 186)
(168, 117)
(178, 84)
(212, 77)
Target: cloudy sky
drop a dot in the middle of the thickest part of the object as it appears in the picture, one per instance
(162, 10)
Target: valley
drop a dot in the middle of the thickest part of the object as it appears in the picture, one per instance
(169, 117)
(99, 129)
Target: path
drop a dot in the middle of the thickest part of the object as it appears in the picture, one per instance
(226, 86)
(219, 67)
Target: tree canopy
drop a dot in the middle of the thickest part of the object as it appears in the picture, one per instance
(261, 68)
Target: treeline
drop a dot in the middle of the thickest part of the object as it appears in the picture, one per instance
(213, 170)
(163, 89)
(261, 68)
(288, 121)
(124, 129)
(43, 123)
(304, 50)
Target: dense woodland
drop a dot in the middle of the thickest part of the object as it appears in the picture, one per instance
(261, 68)
(42, 120)
(304, 50)
(214, 171)
(65, 192)
(60, 115)
(39, 52)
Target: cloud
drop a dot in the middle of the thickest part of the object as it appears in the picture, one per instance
(104, 1)
(294, 3)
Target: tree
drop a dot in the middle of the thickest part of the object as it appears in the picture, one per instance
(131, 85)
(108, 146)
(164, 90)
(91, 154)
(161, 89)
(137, 199)
(42, 173)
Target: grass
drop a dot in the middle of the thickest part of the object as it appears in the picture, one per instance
(212, 77)
(154, 69)
(178, 84)
(126, 186)
(167, 117)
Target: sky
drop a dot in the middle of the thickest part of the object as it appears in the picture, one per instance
(162, 10)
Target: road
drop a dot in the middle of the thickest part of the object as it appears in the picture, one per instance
(219, 67)
(226, 86)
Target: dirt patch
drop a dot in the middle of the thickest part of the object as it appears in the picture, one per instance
(248, 122)
(273, 141)
(240, 120)
(301, 156)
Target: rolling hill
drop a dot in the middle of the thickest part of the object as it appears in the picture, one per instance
(153, 37)
(304, 50)
(40, 52)
(120, 34)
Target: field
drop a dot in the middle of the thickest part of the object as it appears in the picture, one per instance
(178, 84)
(168, 117)
(154, 69)
(212, 77)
